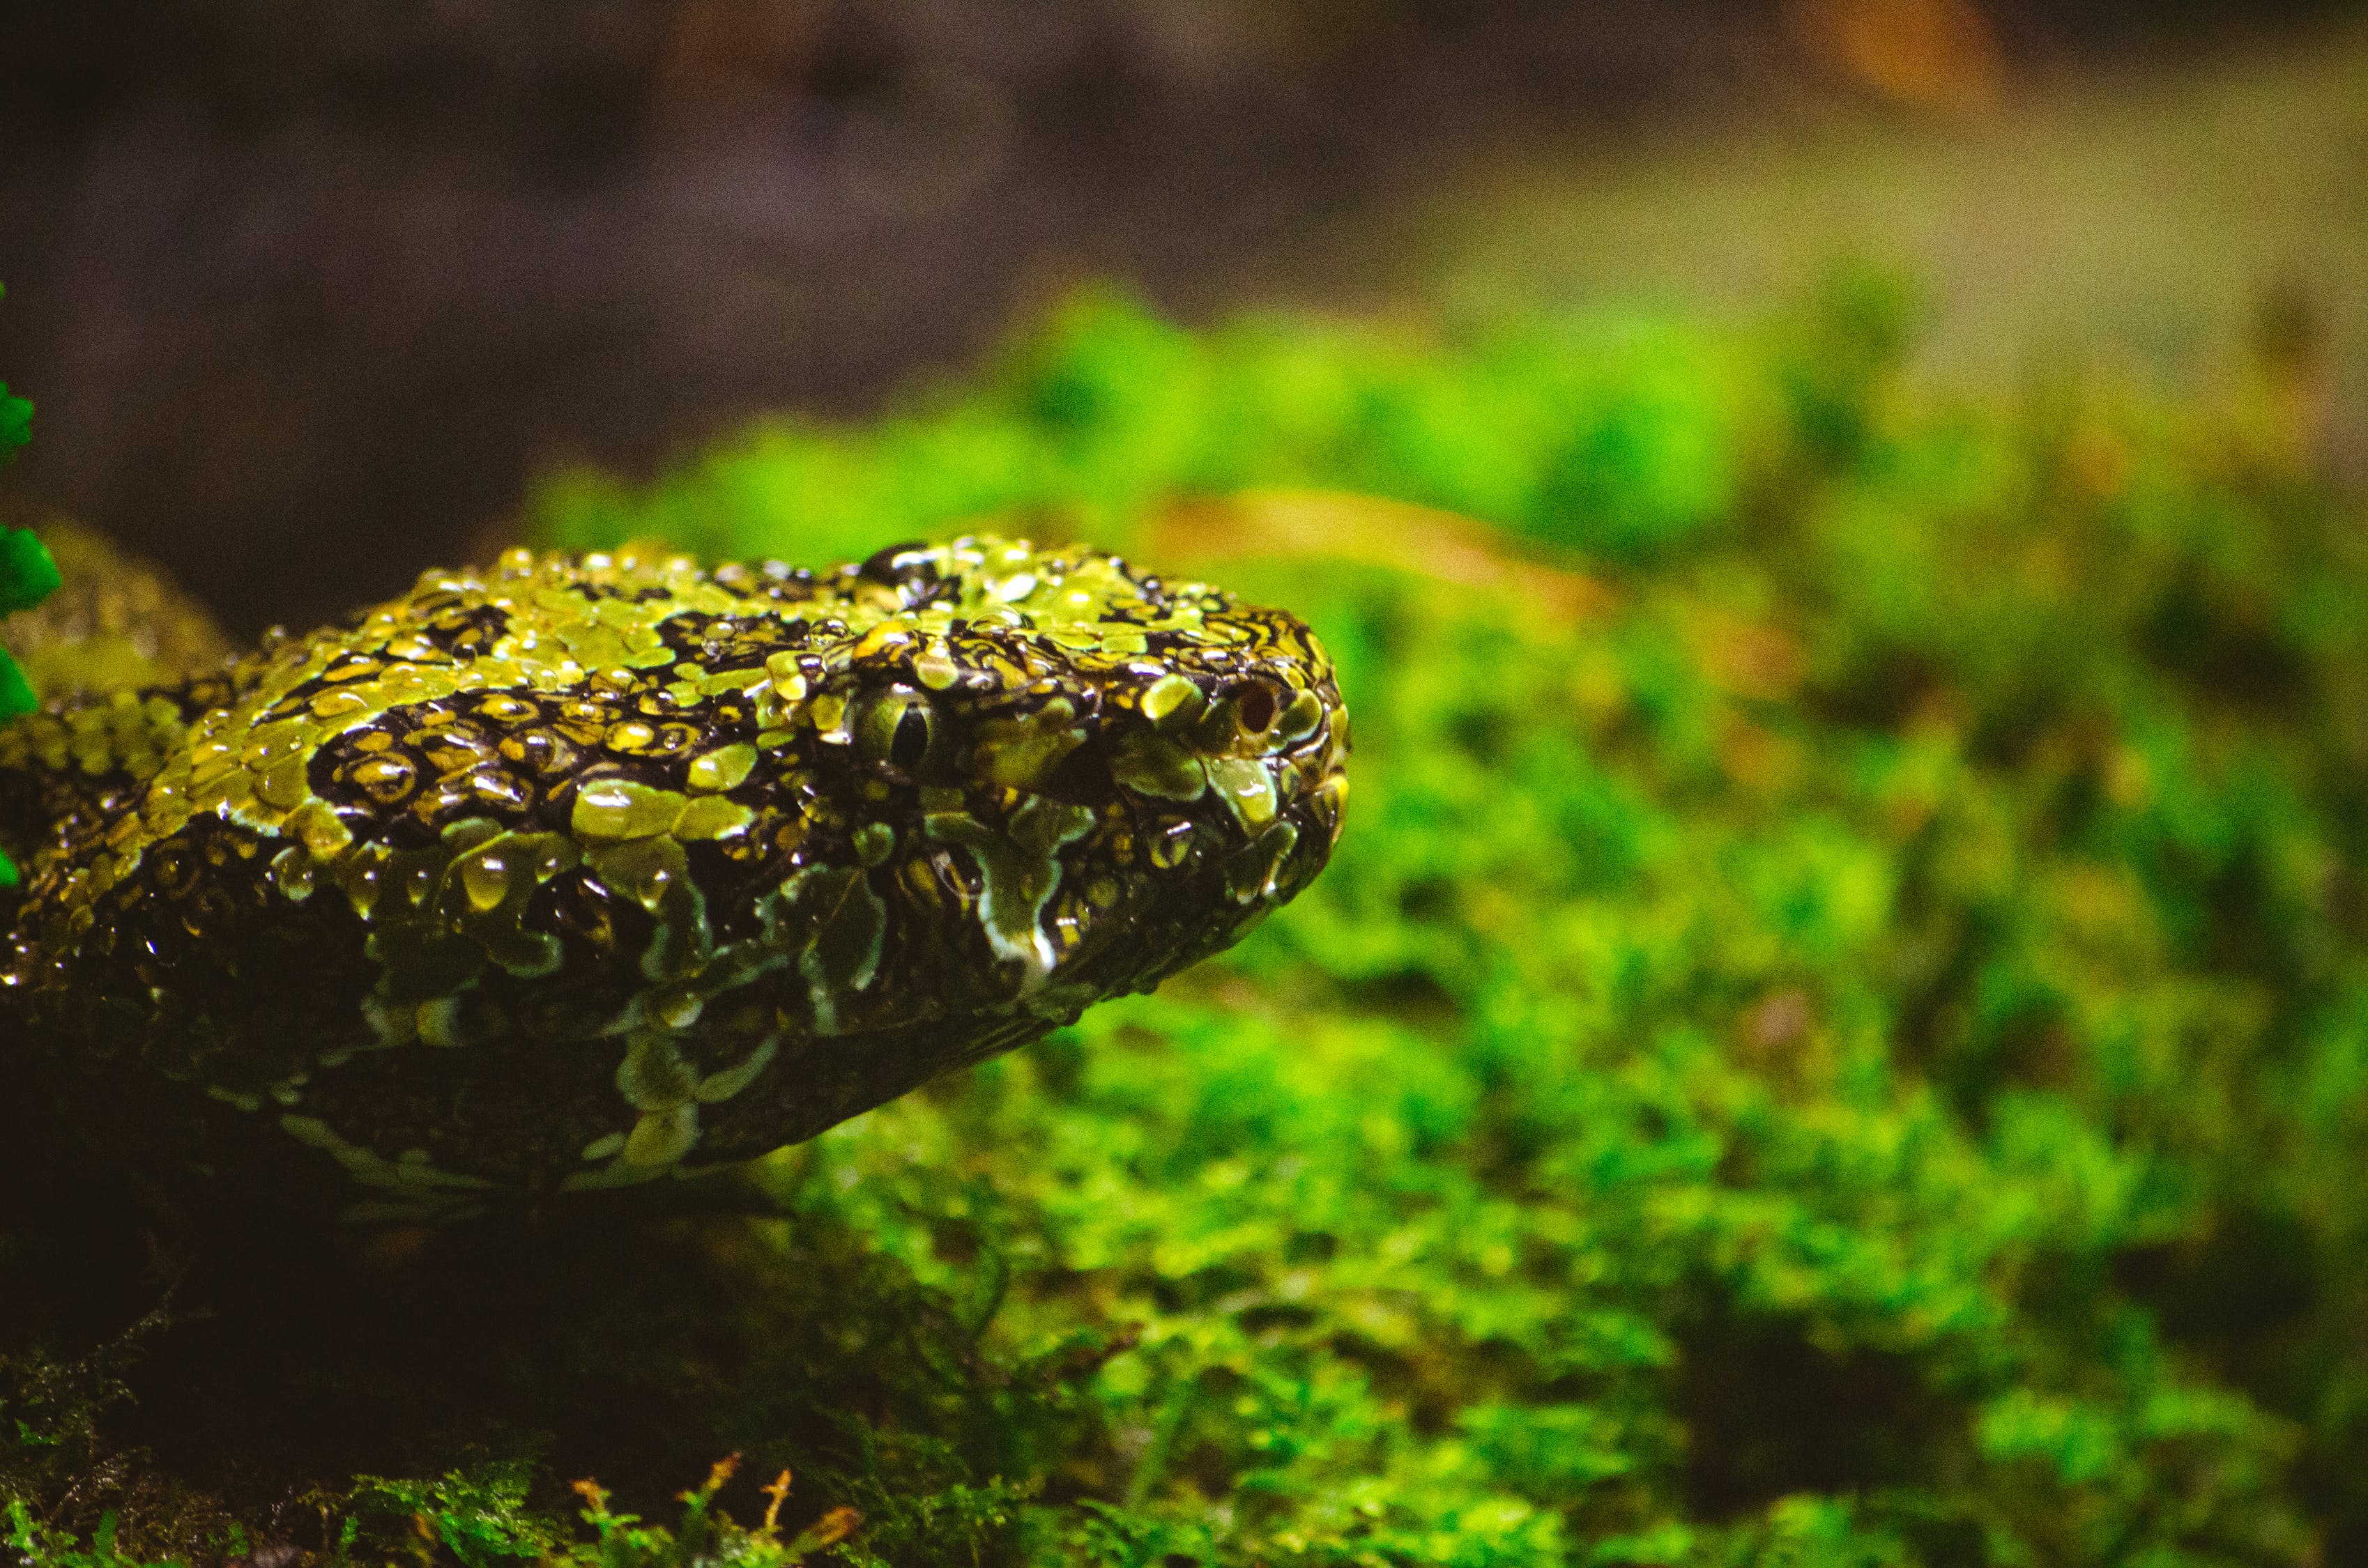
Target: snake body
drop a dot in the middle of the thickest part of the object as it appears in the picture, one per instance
(588, 870)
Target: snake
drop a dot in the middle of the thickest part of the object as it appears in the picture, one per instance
(587, 869)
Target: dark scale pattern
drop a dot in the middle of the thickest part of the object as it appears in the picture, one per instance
(592, 869)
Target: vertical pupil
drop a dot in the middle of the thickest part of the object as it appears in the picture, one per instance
(911, 742)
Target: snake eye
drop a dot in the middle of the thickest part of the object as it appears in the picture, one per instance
(1256, 708)
(898, 728)
(912, 739)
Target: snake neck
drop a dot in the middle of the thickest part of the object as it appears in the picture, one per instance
(121, 653)
(26, 812)
(66, 769)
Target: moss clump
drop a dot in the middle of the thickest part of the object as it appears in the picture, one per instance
(1837, 1034)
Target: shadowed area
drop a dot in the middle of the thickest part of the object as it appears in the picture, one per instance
(195, 1377)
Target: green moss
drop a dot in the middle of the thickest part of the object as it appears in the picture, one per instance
(1837, 1034)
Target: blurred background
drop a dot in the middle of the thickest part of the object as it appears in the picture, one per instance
(308, 294)
(1837, 1034)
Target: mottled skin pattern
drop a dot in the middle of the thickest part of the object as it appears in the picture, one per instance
(590, 869)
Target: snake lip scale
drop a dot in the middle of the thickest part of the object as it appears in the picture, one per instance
(590, 869)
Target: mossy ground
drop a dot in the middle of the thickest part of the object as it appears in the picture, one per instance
(1837, 1034)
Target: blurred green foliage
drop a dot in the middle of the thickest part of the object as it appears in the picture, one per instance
(1617, 437)
(27, 577)
(1837, 1034)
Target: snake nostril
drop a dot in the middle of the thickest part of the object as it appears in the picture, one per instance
(1257, 707)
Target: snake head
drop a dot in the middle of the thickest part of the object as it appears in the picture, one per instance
(590, 869)
(1104, 760)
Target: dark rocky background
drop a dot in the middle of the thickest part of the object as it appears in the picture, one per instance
(307, 293)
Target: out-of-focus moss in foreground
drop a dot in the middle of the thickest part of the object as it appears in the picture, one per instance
(1836, 1033)
(27, 577)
